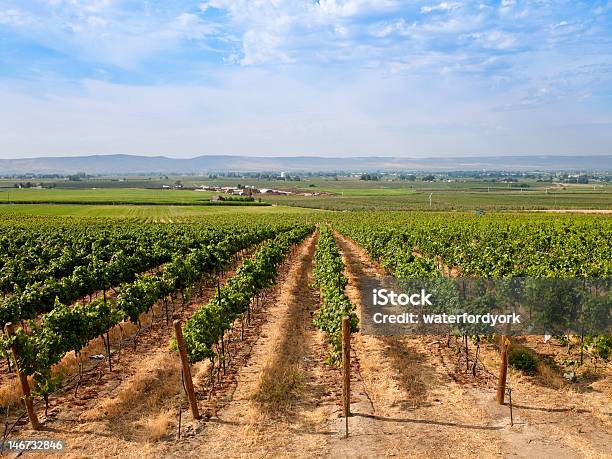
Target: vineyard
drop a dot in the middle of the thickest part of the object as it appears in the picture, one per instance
(91, 354)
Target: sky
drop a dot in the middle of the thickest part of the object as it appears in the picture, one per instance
(304, 77)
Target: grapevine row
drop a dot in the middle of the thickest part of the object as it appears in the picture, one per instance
(207, 326)
(490, 248)
(110, 263)
(66, 329)
(329, 277)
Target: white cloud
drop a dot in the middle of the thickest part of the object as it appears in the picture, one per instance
(261, 46)
(13, 17)
(494, 39)
(190, 26)
(91, 6)
(339, 8)
(443, 6)
(506, 7)
(348, 8)
(382, 30)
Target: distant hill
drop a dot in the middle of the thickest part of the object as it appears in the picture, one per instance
(130, 164)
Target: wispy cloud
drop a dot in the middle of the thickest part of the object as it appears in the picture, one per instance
(395, 72)
(13, 17)
(443, 6)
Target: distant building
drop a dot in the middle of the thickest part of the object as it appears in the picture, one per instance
(271, 191)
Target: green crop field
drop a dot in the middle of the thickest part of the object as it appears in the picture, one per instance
(105, 195)
(456, 200)
(163, 213)
(345, 193)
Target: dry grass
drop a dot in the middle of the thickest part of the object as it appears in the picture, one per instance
(545, 372)
(278, 385)
(412, 376)
(156, 427)
(200, 373)
(549, 376)
(10, 393)
(281, 378)
(69, 365)
(155, 381)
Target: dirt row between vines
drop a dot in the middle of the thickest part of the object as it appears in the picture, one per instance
(456, 412)
(418, 407)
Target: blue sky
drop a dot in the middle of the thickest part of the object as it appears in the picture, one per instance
(289, 77)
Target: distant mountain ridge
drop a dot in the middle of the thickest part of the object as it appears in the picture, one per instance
(131, 164)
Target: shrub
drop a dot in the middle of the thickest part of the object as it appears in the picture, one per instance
(522, 359)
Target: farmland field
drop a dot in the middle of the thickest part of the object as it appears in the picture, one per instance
(344, 193)
(454, 200)
(105, 195)
(161, 212)
(93, 291)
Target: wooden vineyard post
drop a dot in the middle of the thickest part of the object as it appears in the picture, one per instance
(346, 371)
(510, 400)
(23, 379)
(186, 371)
(503, 370)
